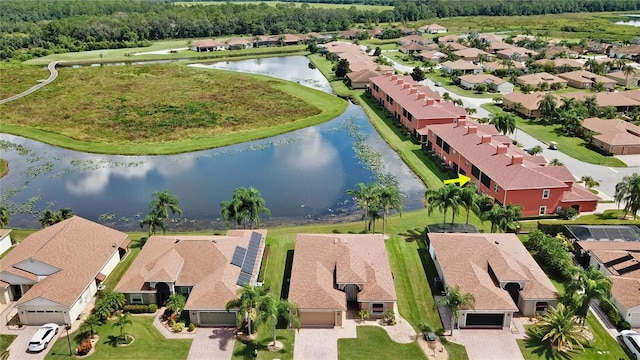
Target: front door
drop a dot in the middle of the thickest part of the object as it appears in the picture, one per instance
(16, 292)
(162, 293)
(352, 292)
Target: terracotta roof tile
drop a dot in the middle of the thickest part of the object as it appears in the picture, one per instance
(613, 131)
(626, 291)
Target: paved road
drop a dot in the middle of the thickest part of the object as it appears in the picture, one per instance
(53, 74)
(607, 176)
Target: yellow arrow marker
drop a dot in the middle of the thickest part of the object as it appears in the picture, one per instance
(461, 179)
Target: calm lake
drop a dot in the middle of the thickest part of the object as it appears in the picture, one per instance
(634, 21)
(303, 175)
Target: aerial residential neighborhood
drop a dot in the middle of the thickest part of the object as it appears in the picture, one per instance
(373, 180)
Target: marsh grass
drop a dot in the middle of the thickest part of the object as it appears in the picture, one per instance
(17, 78)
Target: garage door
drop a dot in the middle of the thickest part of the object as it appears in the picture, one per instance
(41, 317)
(485, 320)
(317, 319)
(217, 318)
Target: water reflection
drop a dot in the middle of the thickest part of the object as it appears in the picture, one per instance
(303, 175)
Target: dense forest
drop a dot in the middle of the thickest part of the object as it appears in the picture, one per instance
(33, 28)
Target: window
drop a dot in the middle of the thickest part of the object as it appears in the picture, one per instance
(136, 299)
(543, 210)
(377, 308)
(545, 193)
(445, 147)
(485, 180)
(475, 172)
(185, 291)
(496, 188)
(439, 141)
(541, 306)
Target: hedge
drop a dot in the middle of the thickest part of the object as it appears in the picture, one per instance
(138, 309)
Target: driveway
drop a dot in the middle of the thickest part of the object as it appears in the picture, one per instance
(487, 344)
(213, 343)
(321, 344)
(18, 348)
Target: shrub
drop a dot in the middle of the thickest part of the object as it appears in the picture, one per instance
(191, 327)
(153, 308)
(567, 213)
(136, 309)
(84, 347)
(177, 327)
(390, 317)
(364, 314)
(624, 325)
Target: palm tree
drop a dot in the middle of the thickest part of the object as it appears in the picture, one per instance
(162, 202)
(248, 205)
(443, 198)
(456, 300)
(469, 199)
(560, 328)
(389, 198)
(364, 197)
(122, 321)
(627, 71)
(250, 296)
(535, 150)
(591, 104)
(47, 218)
(154, 221)
(90, 323)
(504, 122)
(628, 192)
(446, 96)
(589, 182)
(598, 86)
(587, 285)
(270, 310)
(512, 213)
(555, 162)
(229, 214)
(496, 216)
(592, 65)
(548, 105)
(4, 217)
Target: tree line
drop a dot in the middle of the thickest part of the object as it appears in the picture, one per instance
(40, 27)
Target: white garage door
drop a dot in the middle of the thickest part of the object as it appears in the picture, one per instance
(41, 317)
(217, 318)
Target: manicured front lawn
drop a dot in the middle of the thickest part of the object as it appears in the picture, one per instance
(5, 341)
(573, 146)
(603, 346)
(242, 351)
(437, 76)
(148, 344)
(374, 343)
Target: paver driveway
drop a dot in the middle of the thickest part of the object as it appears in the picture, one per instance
(487, 344)
(213, 343)
(18, 348)
(321, 344)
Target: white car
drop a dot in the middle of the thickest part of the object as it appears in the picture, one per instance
(631, 341)
(40, 340)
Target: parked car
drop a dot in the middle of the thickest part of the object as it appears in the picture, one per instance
(631, 341)
(430, 336)
(553, 145)
(40, 340)
(437, 83)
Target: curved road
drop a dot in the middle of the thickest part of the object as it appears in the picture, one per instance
(52, 76)
(607, 176)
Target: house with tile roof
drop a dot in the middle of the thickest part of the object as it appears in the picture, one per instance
(207, 270)
(334, 274)
(448, 39)
(536, 79)
(513, 52)
(527, 104)
(431, 55)
(492, 82)
(561, 64)
(239, 43)
(53, 273)
(497, 270)
(207, 45)
(465, 67)
(623, 79)
(496, 46)
(473, 54)
(405, 40)
(360, 79)
(496, 66)
(583, 79)
(412, 105)
(620, 261)
(617, 100)
(5, 240)
(432, 29)
(614, 136)
(505, 172)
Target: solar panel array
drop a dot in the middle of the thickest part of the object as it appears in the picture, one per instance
(249, 258)
(238, 256)
(626, 233)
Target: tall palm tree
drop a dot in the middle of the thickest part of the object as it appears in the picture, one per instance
(443, 198)
(90, 323)
(591, 104)
(250, 297)
(496, 216)
(229, 213)
(547, 105)
(470, 199)
(4, 217)
(455, 300)
(47, 218)
(389, 198)
(153, 221)
(592, 65)
(598, 86)
(628, 192)
(364, 197)
(504, 122)
(161, 203)
(589, 182)
(560, 328)
(270, 310)
(249, 204)
(555, 162)
(121, 323)
(587, 285)
(627, 71)
(512, 213)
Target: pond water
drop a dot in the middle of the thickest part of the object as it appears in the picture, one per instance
(634, 21)
(303, 175)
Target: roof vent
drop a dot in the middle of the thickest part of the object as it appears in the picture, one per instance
(177, 241)
(497, 242)
(214, 241)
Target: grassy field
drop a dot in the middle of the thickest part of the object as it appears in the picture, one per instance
(160, 109)
(4, 167)
(296, 4)
(374, 343)
(573, 146)
(603, 346)
(17, 78)
(244, 351)
(149, 343)
(5, 341)
(168, 51)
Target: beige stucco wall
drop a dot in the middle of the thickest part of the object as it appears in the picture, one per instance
(369, 306)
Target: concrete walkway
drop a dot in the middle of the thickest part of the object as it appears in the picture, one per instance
(53, 74)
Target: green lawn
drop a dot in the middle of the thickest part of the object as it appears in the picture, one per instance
(148, 344)
(121, 269)
(603, 346)
(573, 146)
(325, 67)
(374, 343)
(244, 351)
(446, 82)
(5, 341)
